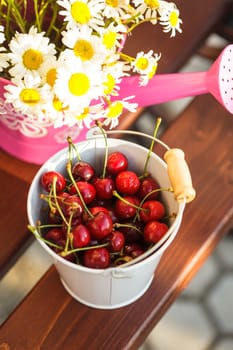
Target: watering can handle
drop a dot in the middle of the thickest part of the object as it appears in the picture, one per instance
(179, 175)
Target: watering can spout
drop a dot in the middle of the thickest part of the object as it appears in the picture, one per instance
(218, 81)
(220, 78)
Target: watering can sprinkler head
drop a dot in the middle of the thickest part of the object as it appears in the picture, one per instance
(218, 81)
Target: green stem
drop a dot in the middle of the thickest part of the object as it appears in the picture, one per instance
(64, 253)
(106, 148)
(33, 229)
(117, 195)
(68, 168)
(57, 204)
(158, 122)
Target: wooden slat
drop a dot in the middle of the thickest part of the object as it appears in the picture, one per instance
(52, 319)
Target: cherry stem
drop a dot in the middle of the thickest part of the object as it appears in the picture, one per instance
(117, 195)
(118, 225)
(33, 230)
(98, 123)
(71, 146)
(147, 196)
(69, 171)
(68, 234)
(56, 202)
(64, 253)
(158, 122)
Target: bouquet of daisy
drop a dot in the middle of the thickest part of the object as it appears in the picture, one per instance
(65, 60)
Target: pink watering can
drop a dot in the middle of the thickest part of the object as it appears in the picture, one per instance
(218, 81)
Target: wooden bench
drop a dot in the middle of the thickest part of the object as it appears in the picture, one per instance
(48, 318)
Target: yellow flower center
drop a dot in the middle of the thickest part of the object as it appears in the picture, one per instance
(80, 12)
(84, 114)
(51, 76)
(115, 109)
(79, 84)
(30, 96)
(142, 63)
(153, 71)
(32, 59)
(84, 50)
(109, 39)
(112, 3)
(154, 4)
(110, 84)
(173, 18)
(57, 104)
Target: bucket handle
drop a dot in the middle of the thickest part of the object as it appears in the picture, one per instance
(178, 170)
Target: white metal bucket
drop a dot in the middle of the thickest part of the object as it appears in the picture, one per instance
(116, 286)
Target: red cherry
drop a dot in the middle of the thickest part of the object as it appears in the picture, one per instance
(133, 249)
(116, 163)
(81, 236)
(48, 178)
(154, 231)
(104, 187)
(100, 225)
(126, 210)
(132, 231)
(72, 205)
(116, 241)
(55, 235)
(83, 171)
(87, 190)
(127, 182)
(152, 210)
(96, 258)
(148, 185)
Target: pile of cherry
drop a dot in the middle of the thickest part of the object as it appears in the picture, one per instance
(101, 220)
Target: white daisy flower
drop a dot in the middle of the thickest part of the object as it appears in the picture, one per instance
(3, 55)
(146, 65)
(115, 109)
(116, 9)
(114, 36)
(148, 8)
(170, 20)
(28, 97)
(113, 73)
(77, 85)
(82, 13)
(2, 35)
(29, 52)
(85, 45)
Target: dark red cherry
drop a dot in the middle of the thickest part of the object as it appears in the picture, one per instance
(116, 163)
(127, 182)
(96, 258)
(154, 231)
(72, 205)
(100, 225)
(133, 249)
(148, 185)
(83, 171)
(133, 231)
(104, 188)
(87, 190)
(116, 241)
(47, 179)
(152, 210)
(55, 235)
(80, 236)
(126, 209)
